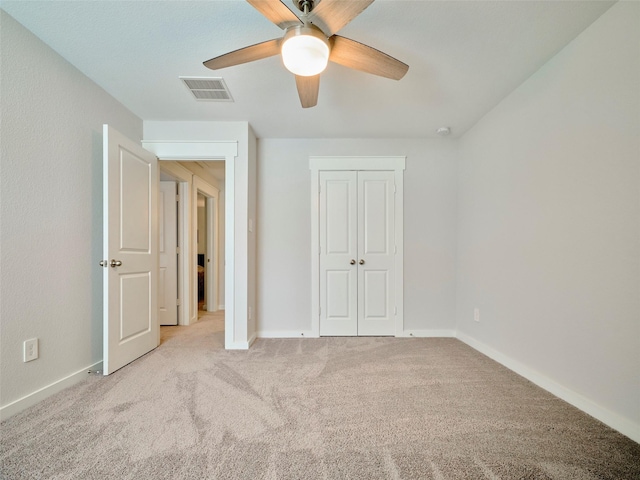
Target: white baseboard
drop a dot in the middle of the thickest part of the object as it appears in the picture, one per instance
(613, 420)
(27, 401)
(286, 334)
(310, 334)
(428, 333)
(240, 345)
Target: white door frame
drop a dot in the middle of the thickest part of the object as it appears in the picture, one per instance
(227, 151)
(168, 248)
(395, 164)
(184, 180)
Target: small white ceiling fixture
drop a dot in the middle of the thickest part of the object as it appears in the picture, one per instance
(443, 131)
(208, 89)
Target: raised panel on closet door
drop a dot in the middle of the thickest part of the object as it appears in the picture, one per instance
(338, 253)
(376, 253)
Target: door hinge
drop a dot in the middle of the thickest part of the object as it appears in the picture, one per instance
(178, 302)
(395, 310)
(177, 197)
(395, 249)
(319, 311)
(394, 188)
(319, 250)
(178, 250)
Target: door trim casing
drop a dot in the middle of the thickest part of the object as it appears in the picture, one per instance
(318, 164)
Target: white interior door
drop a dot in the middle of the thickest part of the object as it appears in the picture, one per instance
(168, 254)
(376, 250)
(357, 248)
(338, 253)
(130, 251)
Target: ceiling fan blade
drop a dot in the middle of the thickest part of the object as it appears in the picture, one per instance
(331, 15)
(246, 54)
(276, 12)
(359, 56)
(308, 88)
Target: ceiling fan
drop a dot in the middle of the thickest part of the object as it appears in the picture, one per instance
(310, 42)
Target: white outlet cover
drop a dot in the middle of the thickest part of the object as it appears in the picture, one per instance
(30, 349)
(476, 314)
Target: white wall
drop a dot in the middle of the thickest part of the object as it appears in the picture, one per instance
(51, 211)
(549, 223)
(284, 234)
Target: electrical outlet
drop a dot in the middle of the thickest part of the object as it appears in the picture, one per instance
(476, 314)
(30, 349)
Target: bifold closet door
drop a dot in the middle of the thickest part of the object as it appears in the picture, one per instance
(376, 250)
(357, 248)
(338, 253)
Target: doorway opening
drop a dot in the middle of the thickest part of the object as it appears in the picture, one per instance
(199, 224)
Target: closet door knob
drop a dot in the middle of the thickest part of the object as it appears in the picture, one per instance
(361, 262)
(352, 262)
(116, 263)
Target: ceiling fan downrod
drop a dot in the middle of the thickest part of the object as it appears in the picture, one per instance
(305, 6)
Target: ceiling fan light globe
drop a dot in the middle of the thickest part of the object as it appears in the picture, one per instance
(305, 51)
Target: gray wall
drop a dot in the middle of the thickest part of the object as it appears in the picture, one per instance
(549, 220)
(284, 234)
(51, 211)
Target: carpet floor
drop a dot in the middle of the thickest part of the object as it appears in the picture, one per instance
(328, 408)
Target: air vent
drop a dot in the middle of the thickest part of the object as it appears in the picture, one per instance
(208, 89)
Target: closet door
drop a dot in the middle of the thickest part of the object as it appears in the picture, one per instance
(376, 250)
(338, 253)
(357, 248)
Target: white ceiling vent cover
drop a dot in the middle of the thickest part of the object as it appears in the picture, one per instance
(208, 89)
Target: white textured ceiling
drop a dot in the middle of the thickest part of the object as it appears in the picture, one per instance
(464, 57)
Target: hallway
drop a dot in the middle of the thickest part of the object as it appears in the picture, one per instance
(207, 332)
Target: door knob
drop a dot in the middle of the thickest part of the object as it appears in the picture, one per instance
(104, 263)
(352, 262)
(115, 263)
(361, 262)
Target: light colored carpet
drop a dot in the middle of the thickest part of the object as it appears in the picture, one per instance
(329, 408)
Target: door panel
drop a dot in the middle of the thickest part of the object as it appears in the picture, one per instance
(338, 304)
(135, 174)
(374, 210)
(168, 258)
(135, 318)
(376, 291)
(339, 227)
(338, 247)
(130, 249)
(376, 251)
